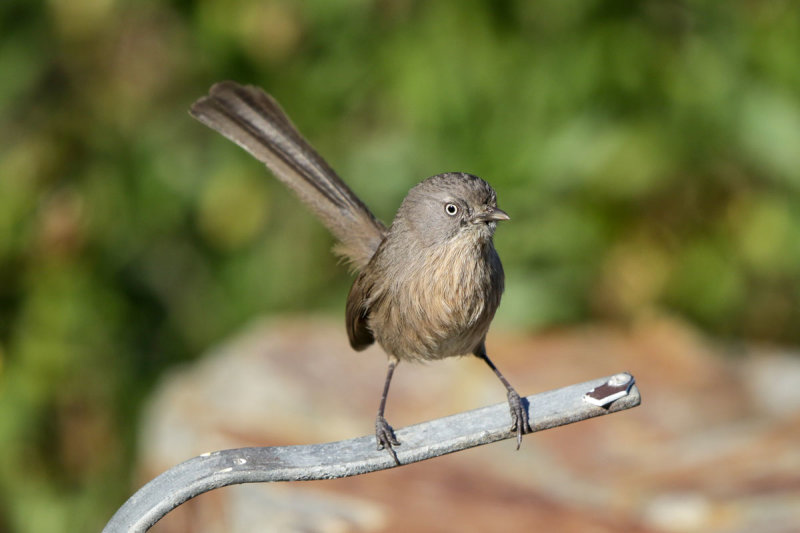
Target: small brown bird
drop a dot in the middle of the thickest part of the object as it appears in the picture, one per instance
(428, 286)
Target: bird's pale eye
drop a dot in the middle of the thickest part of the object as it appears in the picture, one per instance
(451, 209)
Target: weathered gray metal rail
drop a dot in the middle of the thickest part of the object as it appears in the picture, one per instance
(360, 456)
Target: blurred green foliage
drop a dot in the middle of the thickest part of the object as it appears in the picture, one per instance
(648, 152)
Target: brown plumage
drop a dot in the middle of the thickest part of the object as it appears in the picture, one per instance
(428, 286)
(433, 270)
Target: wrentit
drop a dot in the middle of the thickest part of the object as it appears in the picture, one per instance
(428, 286)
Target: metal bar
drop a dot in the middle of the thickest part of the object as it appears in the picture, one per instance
(360, 456)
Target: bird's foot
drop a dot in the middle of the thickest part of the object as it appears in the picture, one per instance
(385, 438)
(519, 415)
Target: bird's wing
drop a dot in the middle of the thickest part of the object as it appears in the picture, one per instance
(357, 313)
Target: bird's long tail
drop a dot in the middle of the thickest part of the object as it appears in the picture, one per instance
(253, 119)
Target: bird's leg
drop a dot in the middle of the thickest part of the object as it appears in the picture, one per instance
(518, 407)
(384, 434)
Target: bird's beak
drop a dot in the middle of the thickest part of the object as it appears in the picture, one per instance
(493, 214)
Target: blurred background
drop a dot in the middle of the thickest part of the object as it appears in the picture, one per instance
(648, 153)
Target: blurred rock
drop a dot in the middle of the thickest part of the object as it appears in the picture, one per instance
(773, 381)
(712, 448)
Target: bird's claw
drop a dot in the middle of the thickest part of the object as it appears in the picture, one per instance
(385, 438)
(519, 416)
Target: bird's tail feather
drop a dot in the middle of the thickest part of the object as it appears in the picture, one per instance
(253, 119)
